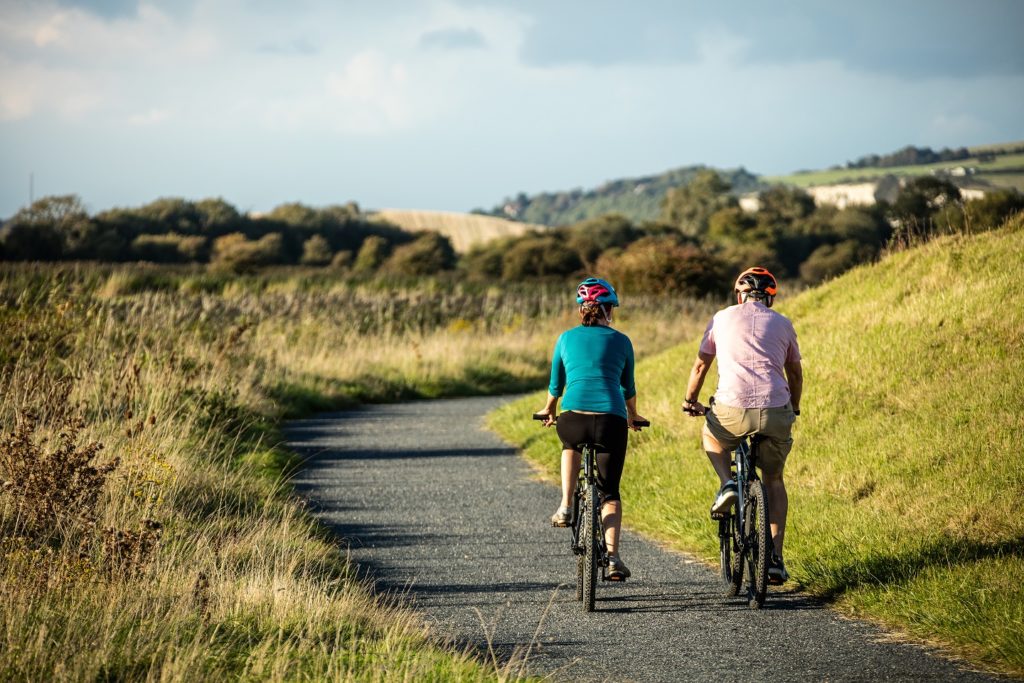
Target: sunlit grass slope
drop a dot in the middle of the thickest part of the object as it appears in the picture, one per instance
(907, 476)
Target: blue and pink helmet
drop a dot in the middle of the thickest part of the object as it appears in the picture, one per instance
(596, 290)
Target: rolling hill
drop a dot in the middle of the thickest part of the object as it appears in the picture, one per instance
(906, 471)
(639, 199)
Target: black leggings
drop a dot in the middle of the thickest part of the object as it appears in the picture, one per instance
(608, 431)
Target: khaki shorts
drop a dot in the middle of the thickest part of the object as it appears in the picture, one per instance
(729, 424)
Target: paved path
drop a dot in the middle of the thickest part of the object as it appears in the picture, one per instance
(433, 504)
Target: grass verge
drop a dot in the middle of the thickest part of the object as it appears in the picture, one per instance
(903, 481)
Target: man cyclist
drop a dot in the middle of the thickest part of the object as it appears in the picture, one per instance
(593, 365)
(760, 381)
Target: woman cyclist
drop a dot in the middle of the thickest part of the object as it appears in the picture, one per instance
(593, 365)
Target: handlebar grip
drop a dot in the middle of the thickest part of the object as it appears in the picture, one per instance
(541, 417)
(642, 423)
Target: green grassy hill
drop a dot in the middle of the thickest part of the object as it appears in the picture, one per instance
(638, 199)
(992, 165)
(907, 467)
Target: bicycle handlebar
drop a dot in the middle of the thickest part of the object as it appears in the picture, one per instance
(639, 423)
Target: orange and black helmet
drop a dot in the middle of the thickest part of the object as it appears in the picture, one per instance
(757, 283)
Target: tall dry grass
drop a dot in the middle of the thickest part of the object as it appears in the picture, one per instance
(184, 555)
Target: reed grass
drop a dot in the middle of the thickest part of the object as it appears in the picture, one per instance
(189, 557)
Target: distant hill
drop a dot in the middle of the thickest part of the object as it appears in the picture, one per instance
(639, 199)
(463, 229)
(982, 167)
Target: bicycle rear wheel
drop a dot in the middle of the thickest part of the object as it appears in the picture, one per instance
(577, 522)
(759, 539)
(591, 524)
(730, 565)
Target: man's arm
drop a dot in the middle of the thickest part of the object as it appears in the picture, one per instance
(698, 373)
(795, 378)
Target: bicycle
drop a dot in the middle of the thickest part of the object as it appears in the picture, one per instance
(744, 533)
(587, 539)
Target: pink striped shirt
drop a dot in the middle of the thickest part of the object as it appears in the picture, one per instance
(753, 344)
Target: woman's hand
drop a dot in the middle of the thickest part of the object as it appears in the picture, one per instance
(550, 416)
(633, 419)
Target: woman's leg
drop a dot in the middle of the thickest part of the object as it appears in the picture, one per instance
(611, 515)
(570, 472)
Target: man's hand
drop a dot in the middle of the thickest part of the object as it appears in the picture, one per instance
(694, 408)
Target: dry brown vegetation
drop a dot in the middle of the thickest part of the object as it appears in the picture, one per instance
(175, 550)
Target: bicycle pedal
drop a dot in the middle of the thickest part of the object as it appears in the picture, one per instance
(719, 516)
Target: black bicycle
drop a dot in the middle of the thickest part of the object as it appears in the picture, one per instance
(744, 536)
(587, 539)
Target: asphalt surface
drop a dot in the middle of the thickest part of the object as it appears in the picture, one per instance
(439, 510)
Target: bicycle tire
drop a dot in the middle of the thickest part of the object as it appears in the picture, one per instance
(759, 540)
(577, 523)
(730, 567)
(591, 525)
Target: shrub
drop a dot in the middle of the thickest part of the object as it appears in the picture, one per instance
(830, 260)
(236, 252)
(428, 254)
(663, 265)
(371, 254)
(316, 251)
(539, 256)
(169, 248)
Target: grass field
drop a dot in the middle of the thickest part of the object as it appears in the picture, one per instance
(999, 172)
(905, 475)
(176, 552)
(463, 229)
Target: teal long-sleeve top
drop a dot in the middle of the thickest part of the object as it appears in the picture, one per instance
(593, 366)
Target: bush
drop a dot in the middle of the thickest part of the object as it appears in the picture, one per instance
(663, 265)
(170, 248)
(830, 260)
(342, 259)
(236, 252)
(593, 237)
(539, 256)
(372, 254)
(316, 251)
(428, 254)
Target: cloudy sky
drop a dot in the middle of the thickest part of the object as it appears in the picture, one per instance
(455, 104)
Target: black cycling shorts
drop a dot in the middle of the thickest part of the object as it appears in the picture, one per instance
(611, 433)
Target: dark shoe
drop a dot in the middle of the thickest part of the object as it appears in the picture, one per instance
(777, 574)
(724, 501)
(562, 517)
(617, 569)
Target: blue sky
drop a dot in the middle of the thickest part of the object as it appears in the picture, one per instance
(457, 104)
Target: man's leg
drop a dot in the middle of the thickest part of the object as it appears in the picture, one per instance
(721, 459)
(778, 506)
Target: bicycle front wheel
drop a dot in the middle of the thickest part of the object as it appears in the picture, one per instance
(759, 542)
(591, 526)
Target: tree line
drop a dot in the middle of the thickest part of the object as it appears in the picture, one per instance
(701, 238)
(175, 230)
